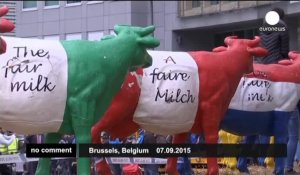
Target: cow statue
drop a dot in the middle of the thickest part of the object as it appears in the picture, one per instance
(167, 99)
(264, 102)
(61, 87)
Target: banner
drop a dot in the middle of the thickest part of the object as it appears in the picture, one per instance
(33, 88)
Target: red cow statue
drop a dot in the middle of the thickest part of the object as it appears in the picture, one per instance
(218, 73)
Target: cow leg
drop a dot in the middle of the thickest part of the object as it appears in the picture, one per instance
(281, 137)
(83, 113)
(242, 161)
(117, 131)
(108, 121)
(211, 129)
(43, 167)
(103, 168)
(121, 109)
(171, 167)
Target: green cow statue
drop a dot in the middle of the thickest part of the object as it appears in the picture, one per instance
(63, 87)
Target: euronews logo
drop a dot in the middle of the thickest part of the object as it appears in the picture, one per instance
(272, 19)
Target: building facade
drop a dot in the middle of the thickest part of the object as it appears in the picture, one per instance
(180, 25)
(11, 15)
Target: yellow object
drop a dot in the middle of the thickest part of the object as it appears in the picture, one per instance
(228, 138)
(199, 160)
(3, 149)
(13, 147)
(269, 161)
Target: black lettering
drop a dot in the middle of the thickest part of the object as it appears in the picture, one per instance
(38, 86)
(46, 85)
(255, 97)
(161, 96)
(270, 98)
(39, 53)
(18, 68)
(153, 74)
(261, 98)
(169, 97)
(8, 66)
(18, 85)
(168, 76)
(170, 59)
(19, 49)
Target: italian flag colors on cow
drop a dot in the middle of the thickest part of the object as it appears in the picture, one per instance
(169, 93)
(33, 88)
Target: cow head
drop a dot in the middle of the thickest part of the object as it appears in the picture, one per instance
(244, 48)
(138, 39)
(294, 59)
(5, 26)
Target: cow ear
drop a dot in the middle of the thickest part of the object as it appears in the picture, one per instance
(148, 41)
(219, 49)
(258, 51)
(285, 62)
(107, 37)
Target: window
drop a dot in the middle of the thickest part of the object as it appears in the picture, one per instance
(73, 36)
(72, 2)
(29, 4)
(51, 3)
(51, 37)
(214, 2)
(32, 37)
(196, 4)
(94, 2)
(95, 36)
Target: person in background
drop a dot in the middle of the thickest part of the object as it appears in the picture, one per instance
(5, 141)
(33, 139)
(277, 43)
(297, 155)
(185, 168)
(105, 139)
(63, 166)
(150, 169)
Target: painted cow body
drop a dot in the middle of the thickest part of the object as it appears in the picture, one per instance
(83, 75)
(265, 100)
(262, 107)
(212, 100)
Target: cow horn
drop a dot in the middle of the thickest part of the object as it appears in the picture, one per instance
(229, 39)
(145, 31)
(6, 26)
(3, 10)
(294, 54)
(219, 49)
(254, 42)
